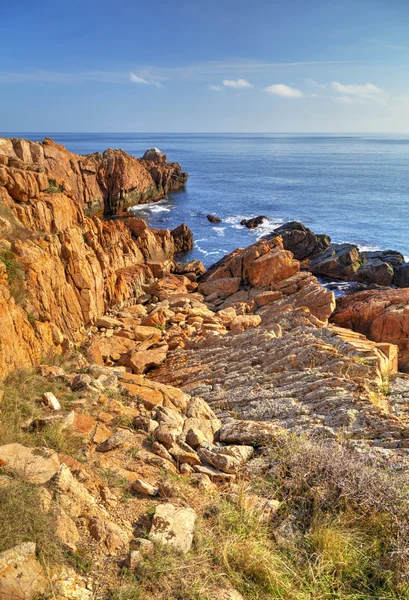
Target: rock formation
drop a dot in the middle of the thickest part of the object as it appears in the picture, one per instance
(66, 268)
(167, 416)
(342, 261)
(106, 183)
(381, 315)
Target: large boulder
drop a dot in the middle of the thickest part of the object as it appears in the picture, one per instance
(34, 465)
(154, 155)
(340, 261)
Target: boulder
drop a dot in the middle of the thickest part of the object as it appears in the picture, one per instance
(114, 441)
(140, 362)
(375, 271)
(243, 322)
(340, 261)
(228, 459)
(108, 533)
(183, 238)
(34, 465)
(21, 575)
(213, 219)
(255, 433)
(173, 526)
(300, 240)
(224, 287)
(402, 275)
(381, 315)
(155, 155)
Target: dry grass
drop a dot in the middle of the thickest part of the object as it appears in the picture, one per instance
(351, 539)
(22, 521)
(23, 391)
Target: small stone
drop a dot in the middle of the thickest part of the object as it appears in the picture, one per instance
(51, 401)
(115, 441)
(141, 487)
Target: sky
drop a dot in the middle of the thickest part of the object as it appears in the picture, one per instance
(204, 66)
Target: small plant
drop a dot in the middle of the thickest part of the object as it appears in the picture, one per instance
(31, 318)
(53, 187)
(161, 327)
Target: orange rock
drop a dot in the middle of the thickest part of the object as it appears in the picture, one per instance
(381, 315)
(83, 425)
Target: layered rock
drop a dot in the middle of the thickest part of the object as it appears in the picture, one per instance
(109, 182)
(381, 315)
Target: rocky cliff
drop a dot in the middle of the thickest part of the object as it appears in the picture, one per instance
(60, 269)
(107, 183)
(189, 434)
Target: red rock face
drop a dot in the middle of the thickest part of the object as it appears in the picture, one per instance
(381, 315)
(109, 182)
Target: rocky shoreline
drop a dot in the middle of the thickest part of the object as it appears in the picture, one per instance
(167, 421)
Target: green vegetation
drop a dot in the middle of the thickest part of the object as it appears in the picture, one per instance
(15, 275)
(53, 187)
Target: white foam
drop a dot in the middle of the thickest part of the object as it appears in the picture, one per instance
(153, 207)
(219, 230)
(266, 227)
(158, 209)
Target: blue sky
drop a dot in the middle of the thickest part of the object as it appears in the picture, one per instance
(205, 65)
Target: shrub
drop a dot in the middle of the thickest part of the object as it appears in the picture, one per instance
(53, 187)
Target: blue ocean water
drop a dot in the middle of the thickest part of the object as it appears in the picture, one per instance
(353, 187)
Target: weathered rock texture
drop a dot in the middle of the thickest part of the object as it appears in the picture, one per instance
(109, 182)
(71, 267)
(381, 315)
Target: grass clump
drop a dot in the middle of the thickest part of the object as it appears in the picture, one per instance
(22, 521)
(15, 275)
(21, 402)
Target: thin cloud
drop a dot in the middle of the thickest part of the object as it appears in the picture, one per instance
(140, 80)
(237, 83)
(215, 88)
(285, 91)
(367, 90)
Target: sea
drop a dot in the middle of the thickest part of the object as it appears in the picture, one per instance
(354, 187)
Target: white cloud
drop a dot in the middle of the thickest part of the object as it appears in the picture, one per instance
(366, 90)
(280, 89)
(237, 83)
(136, 79)
(215, 88)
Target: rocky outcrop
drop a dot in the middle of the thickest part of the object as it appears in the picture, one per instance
(59, 269)
(182, 238)
(342, 261)
(381, 315)
(108, 183)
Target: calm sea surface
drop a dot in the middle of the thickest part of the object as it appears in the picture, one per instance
(353, 187)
